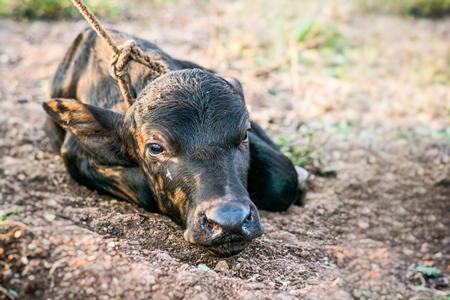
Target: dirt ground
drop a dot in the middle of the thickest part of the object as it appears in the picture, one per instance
(360, 234)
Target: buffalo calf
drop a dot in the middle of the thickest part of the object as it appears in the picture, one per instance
(185, 148)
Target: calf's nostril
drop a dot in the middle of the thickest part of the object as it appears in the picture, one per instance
(204, 221)
(249, 218)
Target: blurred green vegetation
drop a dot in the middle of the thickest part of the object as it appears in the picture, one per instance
(53, 9)
(428, 271)
(271, 34)
(6, 215)
(418, 8)
(301, 155)
(419, 133)
(307, 145)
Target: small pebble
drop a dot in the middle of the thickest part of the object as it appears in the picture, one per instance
(24, 260)
(164, 256)
(203, 267)
(446, 159)
(107, 265)
(151, 279)
(221, 264)
(363, 225)
(40, 155)
(18, 234)
(424, 247)
(304, 254)
(357, 293)
(408, 252)
(420, 172)
(49, 217)
(21, 177)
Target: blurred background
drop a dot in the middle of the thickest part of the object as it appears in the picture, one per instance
(317, 67)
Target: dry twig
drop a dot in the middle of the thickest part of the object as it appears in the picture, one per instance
(17, 223)
(5, 291)
(212, 35)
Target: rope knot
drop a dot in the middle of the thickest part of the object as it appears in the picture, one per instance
(128, 52)
(119, 61)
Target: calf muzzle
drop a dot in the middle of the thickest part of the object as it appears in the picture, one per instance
(224, 229)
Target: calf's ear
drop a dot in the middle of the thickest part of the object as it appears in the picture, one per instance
(102, 132)
(235, 84)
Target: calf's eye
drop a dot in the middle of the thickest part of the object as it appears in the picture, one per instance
(155, 149)
(245, 137)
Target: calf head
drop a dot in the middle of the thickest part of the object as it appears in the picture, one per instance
(187, 131)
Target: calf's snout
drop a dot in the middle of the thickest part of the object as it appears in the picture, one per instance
(229, 218)
(225, 229)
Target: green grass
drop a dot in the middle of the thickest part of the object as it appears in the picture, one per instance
(417, 8)
(428, 271)
(306, 146)
(418, 133)
(5, 215)
(53, 9)
(300, 155)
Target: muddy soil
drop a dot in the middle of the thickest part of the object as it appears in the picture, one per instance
(359, 235)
